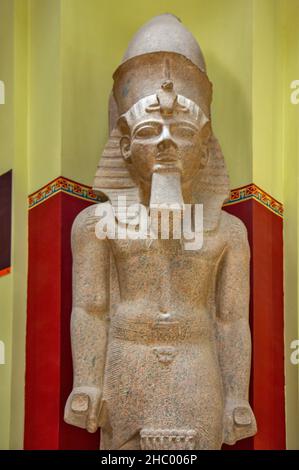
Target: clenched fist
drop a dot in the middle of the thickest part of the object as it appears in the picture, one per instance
(239, 421)
(83, 408)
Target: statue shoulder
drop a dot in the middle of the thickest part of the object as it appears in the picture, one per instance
(85, 222)
(234, 229)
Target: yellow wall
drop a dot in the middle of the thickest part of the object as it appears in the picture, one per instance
(6, 162)
(44, 88)
(290, 25)
(267, 96)
(95, 35)
(20, 222)
(61, 65)
(13, 154)
(57, 58)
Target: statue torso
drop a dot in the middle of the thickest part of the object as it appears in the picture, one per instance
(162, 335)
(163, 283)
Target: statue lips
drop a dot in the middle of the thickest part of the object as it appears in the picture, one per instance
(166, 157)
(167, 161)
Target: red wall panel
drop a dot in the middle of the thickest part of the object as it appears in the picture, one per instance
(265, 229)
(48, 351)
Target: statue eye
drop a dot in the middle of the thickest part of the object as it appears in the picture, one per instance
(183, 131)
(148, 131)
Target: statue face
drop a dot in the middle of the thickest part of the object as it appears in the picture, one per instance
(165, 143)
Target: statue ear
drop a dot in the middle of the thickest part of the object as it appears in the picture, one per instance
(204, 157)
(125, 141)
(206, 133)
(125, 148)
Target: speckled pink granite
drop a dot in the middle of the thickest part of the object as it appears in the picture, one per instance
(160, 335)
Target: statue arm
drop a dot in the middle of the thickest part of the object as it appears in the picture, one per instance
(233, 334)
(91, 261)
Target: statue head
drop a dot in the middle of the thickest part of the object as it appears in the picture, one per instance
(164, 132)
(160, 121)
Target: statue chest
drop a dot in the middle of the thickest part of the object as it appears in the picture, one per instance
(151, 264)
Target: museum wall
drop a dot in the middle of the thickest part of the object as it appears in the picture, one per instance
(290, 176)
(57, 58)
(6, 144)
(13, 155)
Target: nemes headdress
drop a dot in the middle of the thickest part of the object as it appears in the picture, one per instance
(163, 62)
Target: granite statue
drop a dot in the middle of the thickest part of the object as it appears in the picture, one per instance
(160, 335)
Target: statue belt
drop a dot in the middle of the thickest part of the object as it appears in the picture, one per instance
(158, 331)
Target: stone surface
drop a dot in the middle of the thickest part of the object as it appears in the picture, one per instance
(160, 336)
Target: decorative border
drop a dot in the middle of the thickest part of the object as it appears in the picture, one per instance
(5, 271)
(252, 191)
(64, 185)
(83, 191)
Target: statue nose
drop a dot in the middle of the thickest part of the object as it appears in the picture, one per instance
(166, 140)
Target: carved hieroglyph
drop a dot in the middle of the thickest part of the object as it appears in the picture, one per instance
(160, 336)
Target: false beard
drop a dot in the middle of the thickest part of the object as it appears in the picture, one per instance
(166, 208)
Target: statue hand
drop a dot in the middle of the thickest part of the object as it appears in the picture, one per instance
(82, 408)
(239, 421)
